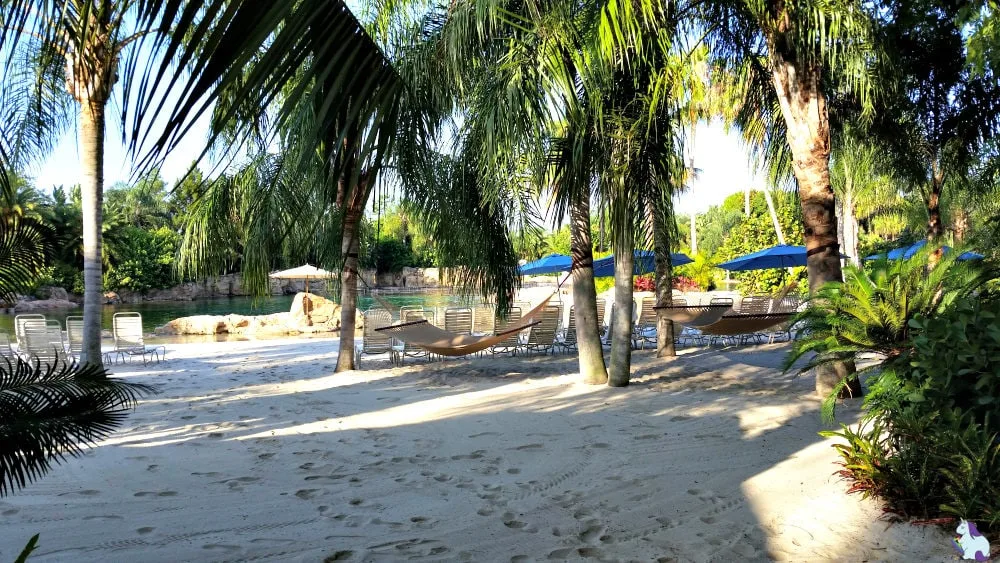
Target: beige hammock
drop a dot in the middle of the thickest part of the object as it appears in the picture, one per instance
(444, 343)
(694, 315)
(731, 325)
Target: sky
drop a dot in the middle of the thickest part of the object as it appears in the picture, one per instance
(725, 168)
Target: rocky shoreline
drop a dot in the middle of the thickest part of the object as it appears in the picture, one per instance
(309, 314)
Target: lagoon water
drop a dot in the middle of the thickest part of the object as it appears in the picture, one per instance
(157, 313)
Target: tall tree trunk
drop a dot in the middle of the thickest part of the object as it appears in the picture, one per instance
(851, 228)
(934, 226)
(621, 330)
(803, 106)
(960, 225)
(350, 245)
(588, 335)
(91, 139)
(665, 347)
(694, 233)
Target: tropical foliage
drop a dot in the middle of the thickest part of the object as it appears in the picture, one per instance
(925, 332)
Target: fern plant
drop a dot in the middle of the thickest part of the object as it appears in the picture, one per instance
(927, 444)
(869, 316)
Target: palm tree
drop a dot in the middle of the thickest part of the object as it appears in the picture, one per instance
(864, 187)
(786, 55)
(942, 112)
(525, 126)
(547, 93)
(308, 202)
(782, 58)
(76, 47)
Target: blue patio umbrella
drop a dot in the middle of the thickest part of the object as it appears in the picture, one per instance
(644, 263)
(780, 256)
(551, 264)
(907, 252)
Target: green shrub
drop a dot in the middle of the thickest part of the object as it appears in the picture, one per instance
(927, 443)
(142, 260)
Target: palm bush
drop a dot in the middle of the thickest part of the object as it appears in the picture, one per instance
(871, 311)
(927, 443)
(50, 411)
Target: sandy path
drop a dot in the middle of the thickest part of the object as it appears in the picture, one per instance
(255, 451)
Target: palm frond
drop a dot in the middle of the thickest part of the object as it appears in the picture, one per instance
(23, 253)
(48, 412)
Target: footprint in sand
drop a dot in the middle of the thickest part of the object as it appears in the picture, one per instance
(600, 446)
(105, 517)
(188, 417)
(145, 530)
(10, 512)
(679, 418)
(156, 494)
(208, 474)
(482, 434)
(509, 520)
(591, 532)
(217, 435)
(529, 447)
(84, 493)
(266, 456)
(342, 555)
(221, 547)
(513, 471)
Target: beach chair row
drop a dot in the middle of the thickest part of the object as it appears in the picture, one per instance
(550, 335)
(43, 340)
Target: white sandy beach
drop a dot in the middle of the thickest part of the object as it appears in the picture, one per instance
(256, 451)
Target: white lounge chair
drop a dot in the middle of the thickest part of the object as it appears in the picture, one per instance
(129, 339)
(373, 342)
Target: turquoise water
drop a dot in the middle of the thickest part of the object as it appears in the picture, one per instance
(157, 313)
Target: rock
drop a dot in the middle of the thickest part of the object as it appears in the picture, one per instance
(198, 324)
(309, 309)
(43, 305)
(324, 317)
(53, 292)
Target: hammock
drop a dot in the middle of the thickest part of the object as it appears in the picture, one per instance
(694, 315)
(730, 325)
(443, 343)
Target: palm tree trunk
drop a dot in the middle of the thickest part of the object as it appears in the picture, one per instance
(934, 226)
(621, 330)
(665, 347)
(803, 106)
(960, 225)
(91, 138)
(850, 228)
(350, 245)
(588, 335)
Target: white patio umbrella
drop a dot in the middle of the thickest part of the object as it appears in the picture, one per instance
(306, 272)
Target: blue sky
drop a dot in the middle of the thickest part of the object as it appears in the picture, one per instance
(725, 166)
